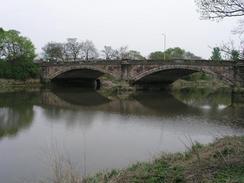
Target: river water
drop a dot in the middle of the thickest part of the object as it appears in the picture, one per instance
(96, 131)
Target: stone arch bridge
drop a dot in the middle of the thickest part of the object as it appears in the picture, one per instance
(143, 73)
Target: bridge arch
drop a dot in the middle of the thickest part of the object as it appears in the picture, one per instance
(192, 69)
(64, 70)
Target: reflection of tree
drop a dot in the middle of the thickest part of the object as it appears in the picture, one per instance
(16, 112)
(201, 97)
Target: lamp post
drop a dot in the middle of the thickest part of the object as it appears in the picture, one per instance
(164, 44)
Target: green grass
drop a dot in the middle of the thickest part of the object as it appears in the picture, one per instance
(221, 161)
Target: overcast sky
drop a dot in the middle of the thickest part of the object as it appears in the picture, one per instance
(138, 24)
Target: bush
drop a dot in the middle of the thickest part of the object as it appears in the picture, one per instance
(21, 70)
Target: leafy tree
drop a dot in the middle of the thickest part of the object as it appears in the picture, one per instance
(216, 54)
(173, 53)
(157, 55)
(135, 55)
(14, 47)
(16, 56)
(191, 56)
(235, 55)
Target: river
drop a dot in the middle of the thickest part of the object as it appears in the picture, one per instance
(96, 131)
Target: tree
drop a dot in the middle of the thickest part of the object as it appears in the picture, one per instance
(235, 55)
(109, 52)
(54, 51)
(173, 53)
(73, 48)
(16, 55)
(122, 53)
(135, 55)
(216, 54)
(219, 9)
(89, 50)
(190, 56)
(157, 55)
(14, 47)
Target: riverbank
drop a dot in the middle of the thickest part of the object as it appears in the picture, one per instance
(9, 85)
(199, 84)
(221, 161)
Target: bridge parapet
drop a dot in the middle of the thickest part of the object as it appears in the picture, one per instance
(144, 62)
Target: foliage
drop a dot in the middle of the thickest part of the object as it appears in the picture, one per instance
(216, 54)
(198, 76)
(157, 55)
(173, 53)
(20, 71)
(14, 47)
(135, 55)
(16, 56)
(235, 55)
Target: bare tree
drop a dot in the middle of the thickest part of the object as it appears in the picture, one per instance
(73, 48)
(122, 53)
(89, 50)
(219, 9)
(231, 51)
(54, 51)
(109, 52)
(240, 28)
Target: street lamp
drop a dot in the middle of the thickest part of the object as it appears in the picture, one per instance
(164, 44)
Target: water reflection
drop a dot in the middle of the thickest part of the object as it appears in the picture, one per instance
(16, 112)
(70, 104)
(205, 98)
(103, 133)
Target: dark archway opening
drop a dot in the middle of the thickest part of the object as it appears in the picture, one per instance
(177, 79)
(161, 80)
(84, 78)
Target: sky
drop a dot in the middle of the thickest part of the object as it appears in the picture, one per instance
(138, 24)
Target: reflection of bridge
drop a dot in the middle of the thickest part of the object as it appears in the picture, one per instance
(151, 104)
(144, 73)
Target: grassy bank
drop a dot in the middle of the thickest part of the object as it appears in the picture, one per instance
(10, 85)
(221, 161)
